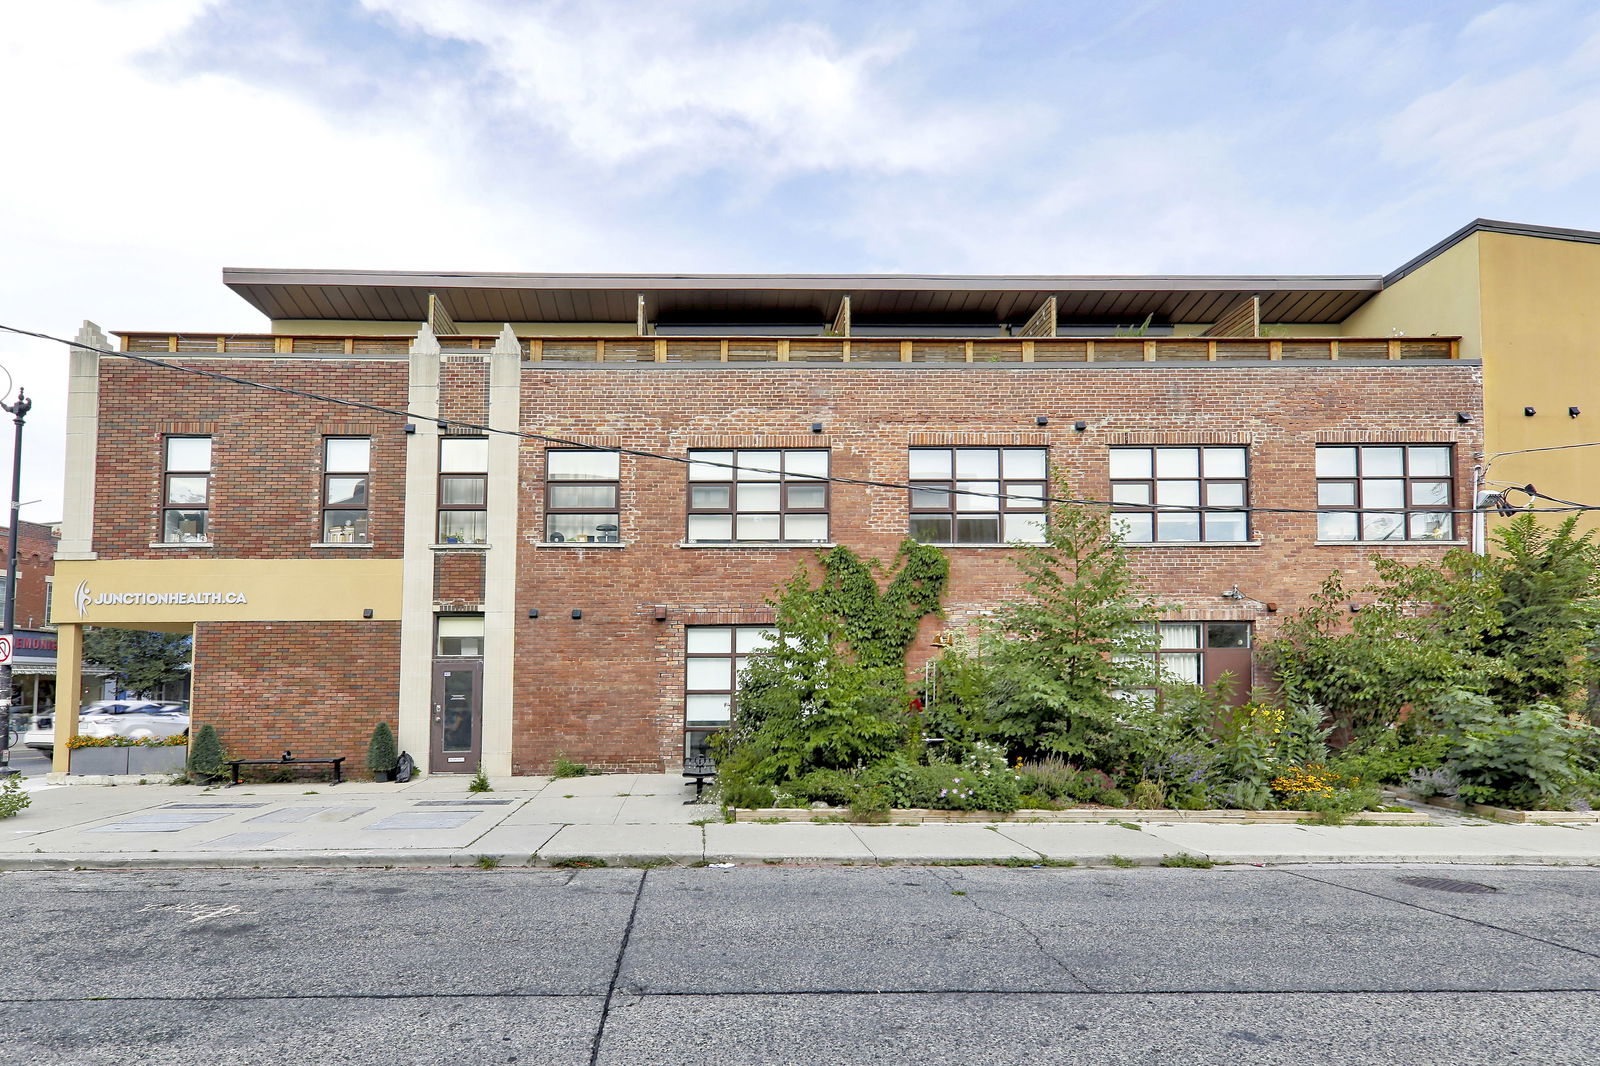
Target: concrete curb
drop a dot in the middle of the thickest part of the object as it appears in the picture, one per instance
(419, 859)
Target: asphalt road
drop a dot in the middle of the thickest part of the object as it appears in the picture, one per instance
(756, 965)
(28, 762)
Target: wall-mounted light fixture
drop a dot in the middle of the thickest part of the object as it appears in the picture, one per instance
(411, 427)
(442, 426)
(533, 612)
(1573, 412)
(816, 427)
(577, 612)
(1041, 420)
(661, 614)
(366, 612)
(1233, 594)
(1355, 608)
(1528, 412)
(1080, 425)
(1462, 418)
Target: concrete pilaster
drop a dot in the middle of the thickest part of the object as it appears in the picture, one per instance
(422, 489)
(83, 432)
(69, 685)
(500, 567)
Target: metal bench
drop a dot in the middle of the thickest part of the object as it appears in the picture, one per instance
(288, 759)
(699, 769)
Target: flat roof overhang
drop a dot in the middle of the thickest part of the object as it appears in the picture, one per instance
(356, 295)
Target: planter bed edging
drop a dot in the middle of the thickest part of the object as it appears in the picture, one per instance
(1097, 814)
(1502, 814)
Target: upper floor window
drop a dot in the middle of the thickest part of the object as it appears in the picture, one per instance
(346, 463)
(1207, 489)
(765, 495)
(1385, 492)
(580, 499)
(186, 491)
(463, 490)
(978, 495)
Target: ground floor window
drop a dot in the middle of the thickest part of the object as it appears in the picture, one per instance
(714, 658)
(1203, 653)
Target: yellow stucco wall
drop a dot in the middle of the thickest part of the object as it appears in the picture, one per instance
(1438, 299)
(127, 592)
(1541, 326)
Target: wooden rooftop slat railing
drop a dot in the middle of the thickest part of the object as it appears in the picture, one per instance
(632, 350)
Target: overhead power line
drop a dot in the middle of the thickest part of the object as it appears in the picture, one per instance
(442, 422)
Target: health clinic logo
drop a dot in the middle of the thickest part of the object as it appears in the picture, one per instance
(81, 597)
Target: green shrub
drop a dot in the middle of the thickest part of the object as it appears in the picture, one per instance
(382, 751)
(837, 788)
(871, 804)
(207, 760)
(12, 798)
(567, 768)
(1113, 797)
(1148, 796)
(1390, 756)
(1528, 760)
(480, 781)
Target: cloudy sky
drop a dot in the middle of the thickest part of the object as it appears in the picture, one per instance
(150, 143)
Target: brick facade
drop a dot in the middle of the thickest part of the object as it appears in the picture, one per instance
(266, 457)
(36, 554)
(608, 688)
(315, 688)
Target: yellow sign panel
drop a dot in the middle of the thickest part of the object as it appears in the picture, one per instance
(131, 592)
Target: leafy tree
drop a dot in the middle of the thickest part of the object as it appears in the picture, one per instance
(1515, 626)
(141, 661)
(1082, 633)
(831, 693)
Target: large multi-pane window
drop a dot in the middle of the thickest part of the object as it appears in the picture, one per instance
(1181, 493)
(186, 491)
(978, 495)
(715, 656)
(463, 490)
(758, 495)
(1384, 492)
(581, 496)
(346, 464)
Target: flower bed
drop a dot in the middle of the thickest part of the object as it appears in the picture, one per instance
(118, 756)
(1502, 814)
(1080, 814)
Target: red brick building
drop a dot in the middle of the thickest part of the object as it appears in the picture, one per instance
(553, 531)
(33, 668)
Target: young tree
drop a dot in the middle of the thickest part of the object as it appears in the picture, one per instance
(1082, 633)
(831, 692)
(141, 661)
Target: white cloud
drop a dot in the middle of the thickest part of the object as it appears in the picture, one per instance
(684, 87)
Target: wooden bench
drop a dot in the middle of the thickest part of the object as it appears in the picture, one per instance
(700, 770)
(288, 759)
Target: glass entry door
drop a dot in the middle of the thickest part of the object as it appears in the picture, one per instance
(457, 717)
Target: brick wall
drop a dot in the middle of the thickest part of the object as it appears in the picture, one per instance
(315, 688)
(266, 463)
(608, 689)
(36, 555)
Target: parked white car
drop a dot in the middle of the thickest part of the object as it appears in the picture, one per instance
(137, 719)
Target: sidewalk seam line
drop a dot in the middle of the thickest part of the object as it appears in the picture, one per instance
(616, 972)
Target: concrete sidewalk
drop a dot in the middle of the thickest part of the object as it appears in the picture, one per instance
(636, 819)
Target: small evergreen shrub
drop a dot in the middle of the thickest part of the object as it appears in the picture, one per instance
(207, 760)
(382, 751)
(480, 781)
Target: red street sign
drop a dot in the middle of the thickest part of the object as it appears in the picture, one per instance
(5, 648)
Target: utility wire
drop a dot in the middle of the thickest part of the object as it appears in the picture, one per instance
(640, 453)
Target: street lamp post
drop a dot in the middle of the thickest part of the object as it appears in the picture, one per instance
(19, 411)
